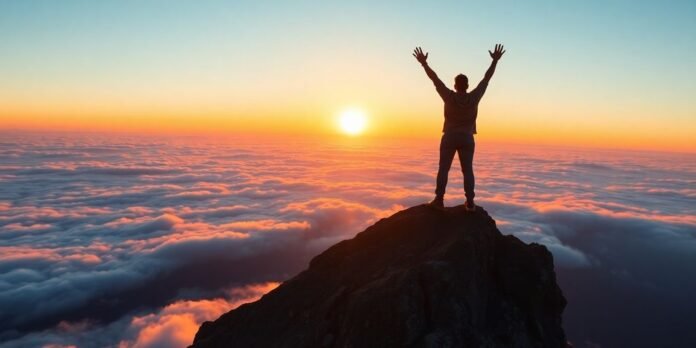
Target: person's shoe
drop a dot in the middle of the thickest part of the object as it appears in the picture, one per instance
(469, 205)
(438, 203)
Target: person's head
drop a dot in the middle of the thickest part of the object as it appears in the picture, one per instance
(461, 83)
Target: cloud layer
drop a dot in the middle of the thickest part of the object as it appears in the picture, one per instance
(97, 232)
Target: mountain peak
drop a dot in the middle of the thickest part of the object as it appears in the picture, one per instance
(422, 278)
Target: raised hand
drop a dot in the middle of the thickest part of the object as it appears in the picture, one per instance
(497, 52)
(420, 57)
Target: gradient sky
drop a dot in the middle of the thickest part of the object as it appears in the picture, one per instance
(600, 73)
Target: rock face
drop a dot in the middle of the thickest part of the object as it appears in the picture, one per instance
(420, 278)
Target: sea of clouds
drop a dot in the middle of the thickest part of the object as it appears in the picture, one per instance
(127, 241)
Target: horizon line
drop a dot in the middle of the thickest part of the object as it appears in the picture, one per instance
(368, 137)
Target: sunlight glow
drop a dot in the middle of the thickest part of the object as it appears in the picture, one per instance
(353, 121)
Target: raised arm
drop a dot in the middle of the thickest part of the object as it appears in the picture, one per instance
(423, 59)
(495, 55)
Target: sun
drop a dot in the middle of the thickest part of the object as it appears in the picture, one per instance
(352, 121)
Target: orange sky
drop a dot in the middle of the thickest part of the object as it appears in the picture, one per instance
(492, 127)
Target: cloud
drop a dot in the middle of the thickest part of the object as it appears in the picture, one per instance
(144, 225)
(173, 325)
(176, 324)
(95, 232)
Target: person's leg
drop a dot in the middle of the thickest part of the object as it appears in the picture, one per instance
(446, 157)
(466, 159)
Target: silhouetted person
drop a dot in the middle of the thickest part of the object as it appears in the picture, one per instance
(461, 109)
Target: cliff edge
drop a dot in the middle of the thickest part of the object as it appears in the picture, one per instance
(419, 278)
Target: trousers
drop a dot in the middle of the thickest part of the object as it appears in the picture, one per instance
(463, 144)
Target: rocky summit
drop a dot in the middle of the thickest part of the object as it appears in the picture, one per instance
(422, 277)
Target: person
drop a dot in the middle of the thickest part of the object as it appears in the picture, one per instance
(461, 108)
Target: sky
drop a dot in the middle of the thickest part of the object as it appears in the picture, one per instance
(134, 241)
(591, 73)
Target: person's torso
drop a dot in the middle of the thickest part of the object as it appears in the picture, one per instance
(460, 113)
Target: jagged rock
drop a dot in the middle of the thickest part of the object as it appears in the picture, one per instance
(420, 278)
